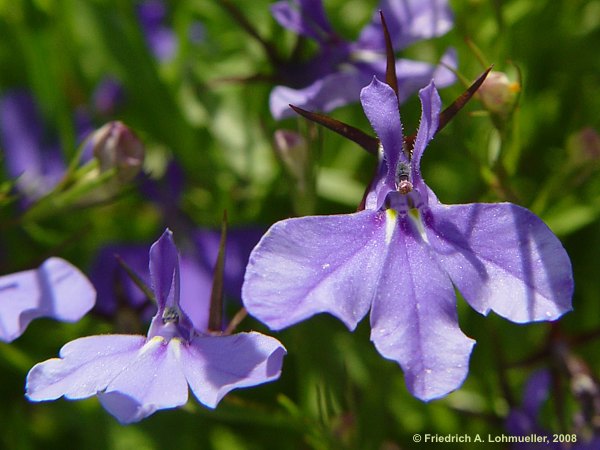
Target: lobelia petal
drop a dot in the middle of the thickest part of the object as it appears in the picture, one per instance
(524, 420)
(85, 367)
(302, 264)
(196, 283)
(37, 163)
(304, 17)
(502, 258)
(380, 103)
(153, 380)
(56, 289)
(414, 319)
(327, 93)
(164, 270)
(431, 105)
(407, 21)
(215, 365)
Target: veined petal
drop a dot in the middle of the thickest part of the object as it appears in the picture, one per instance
(56, 289)
(324, 95)
(215, 365)
(164, 270)
(304, 266)
(407, 21)
(85, 367)
(153, 380)
(380, 104)
(431, 105)
(304, 17)
(502, 258)
(414, 319)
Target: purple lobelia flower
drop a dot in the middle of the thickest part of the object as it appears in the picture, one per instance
(31, 156)
(336, 74)
(116, 288)
(524, 422)
(133, 376)
(160, 38)
(403, 255)
(56, 289)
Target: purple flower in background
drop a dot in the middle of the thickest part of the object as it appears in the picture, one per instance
(133, 376)
(336, 74)
(524, 421)
(30, 156)
(402, 257)
(56, 289)
(160, 38)
(108, 96)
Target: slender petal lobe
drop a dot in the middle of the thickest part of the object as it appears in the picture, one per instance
(164, 269)
(431, 105)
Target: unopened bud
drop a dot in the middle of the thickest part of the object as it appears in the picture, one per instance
(292, 149)
(498, 94)
(117, 147)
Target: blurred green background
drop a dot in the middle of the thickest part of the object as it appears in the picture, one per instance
(335, 390)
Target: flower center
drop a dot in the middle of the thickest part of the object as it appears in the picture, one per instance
(403, 184)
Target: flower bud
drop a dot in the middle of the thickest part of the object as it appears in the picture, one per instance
(116, 147)
(498, 94)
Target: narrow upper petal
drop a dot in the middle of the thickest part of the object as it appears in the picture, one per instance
(304, 266)
(502, 258)
(164, 270)
(215, 365)
(414, 319)
(85, 366)
(407, 21)
(304, 17)
(153, 380)
(56, 289)
(380, 104)
(431, 105)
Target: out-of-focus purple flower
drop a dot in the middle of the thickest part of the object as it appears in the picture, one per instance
(160, 38)
(196, 266)
(337, 73)
(402, 257)
(30, 155)
(134, 376)
(56, 289)
(108, 96)
(113, 285)
(524, 421)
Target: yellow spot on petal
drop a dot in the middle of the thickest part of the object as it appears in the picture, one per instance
(415, 216)
(390, 224)
(175, 347)
(152, 344)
